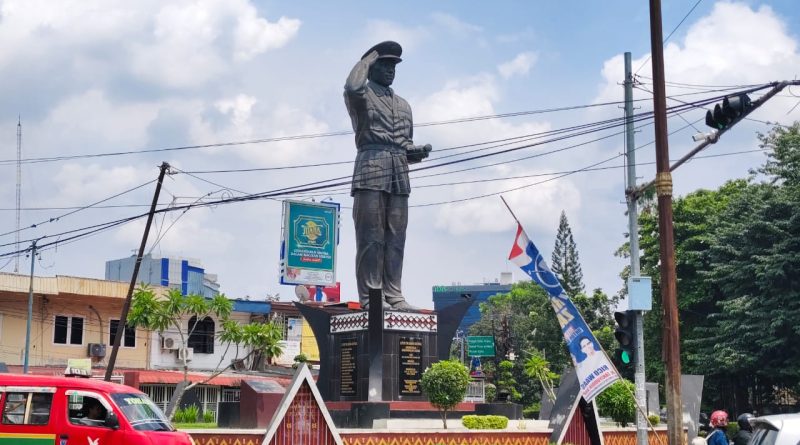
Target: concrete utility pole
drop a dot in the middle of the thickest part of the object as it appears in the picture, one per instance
(663, 183)
(633, 225)
(127, 304)
(30, 313)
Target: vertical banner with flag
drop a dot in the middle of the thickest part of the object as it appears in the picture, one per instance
(595, 371)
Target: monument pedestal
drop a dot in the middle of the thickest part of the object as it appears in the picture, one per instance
(379, 355)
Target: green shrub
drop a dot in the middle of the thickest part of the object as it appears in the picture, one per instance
(298, 359)
(654, 419)
(445, 383)
(189, 414)
(490, 392)
(473, 422)
(617, 402)
(506, 384)
(531, 412)
(208, 417)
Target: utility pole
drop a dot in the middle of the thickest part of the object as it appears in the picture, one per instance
(127, 304)
(663, 183)
(30, 312)
(19, 191)
(633, 225)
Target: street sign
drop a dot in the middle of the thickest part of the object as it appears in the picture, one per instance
(482, 346)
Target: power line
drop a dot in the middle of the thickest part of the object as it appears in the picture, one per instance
(311, 186)
(58, 218)
(301, 136)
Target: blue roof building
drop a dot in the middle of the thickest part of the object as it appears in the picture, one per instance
(444, 296)
(188, 275)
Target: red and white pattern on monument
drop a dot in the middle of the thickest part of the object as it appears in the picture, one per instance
(409, 321)
(358, 321)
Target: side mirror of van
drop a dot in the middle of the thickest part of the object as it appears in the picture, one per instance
(111, 421)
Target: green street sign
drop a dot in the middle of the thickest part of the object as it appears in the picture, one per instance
(480, 346)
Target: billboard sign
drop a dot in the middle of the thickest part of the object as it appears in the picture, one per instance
(308, 248)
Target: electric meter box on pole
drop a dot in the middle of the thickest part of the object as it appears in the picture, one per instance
(640, 294)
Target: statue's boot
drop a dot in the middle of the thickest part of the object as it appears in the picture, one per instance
(402, 305)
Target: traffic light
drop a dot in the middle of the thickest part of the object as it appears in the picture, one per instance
(732, 108)
(625, 333)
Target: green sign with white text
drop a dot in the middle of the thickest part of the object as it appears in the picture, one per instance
(482, 346)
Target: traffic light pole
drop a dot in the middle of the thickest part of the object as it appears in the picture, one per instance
(633, 239)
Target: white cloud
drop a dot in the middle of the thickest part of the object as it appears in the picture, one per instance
(254, 35)
(180, 44)
(182, 234)
(81, 185)
(408, 36)
(733, 45)
(454, 25)
(239, 108)
(91, 117)
(463, 98)
(519, 66)
(243, 119)
(539, 205)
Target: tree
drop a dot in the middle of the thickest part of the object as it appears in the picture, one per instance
(617, 402)
(537, 367)
(565, 262)
(445, 383)
(783, 155)
(506, 383)
(736, 251)
(169, 313)
(532, 326)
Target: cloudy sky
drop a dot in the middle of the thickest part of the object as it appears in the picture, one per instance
(95, 77)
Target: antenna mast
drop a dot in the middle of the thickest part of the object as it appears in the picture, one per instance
(19, 190)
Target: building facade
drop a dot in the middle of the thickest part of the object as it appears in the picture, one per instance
(444, 296)
(185, 274)
(72, 318)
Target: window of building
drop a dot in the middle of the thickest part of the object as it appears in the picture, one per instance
(18, 410)
(68, 330)
(202, 335)
(128, 338)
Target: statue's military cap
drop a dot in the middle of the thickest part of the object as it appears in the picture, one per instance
(387, 50)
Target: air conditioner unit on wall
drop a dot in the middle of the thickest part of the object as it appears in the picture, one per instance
(186, 354)
(97, 350)
(170, 342)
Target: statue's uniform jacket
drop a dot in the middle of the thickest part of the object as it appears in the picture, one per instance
(383, 129)
(384, 132)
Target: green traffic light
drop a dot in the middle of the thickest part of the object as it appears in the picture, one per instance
(625, 357)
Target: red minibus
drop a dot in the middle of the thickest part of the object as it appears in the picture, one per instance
(78, 411)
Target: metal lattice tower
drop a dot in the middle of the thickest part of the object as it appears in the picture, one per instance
(19, 191)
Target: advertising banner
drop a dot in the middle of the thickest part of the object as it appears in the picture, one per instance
(309, 238)
(594, 369)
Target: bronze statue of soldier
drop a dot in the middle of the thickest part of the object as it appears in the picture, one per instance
(384, 132)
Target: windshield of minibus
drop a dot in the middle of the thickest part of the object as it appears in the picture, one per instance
(142, 413)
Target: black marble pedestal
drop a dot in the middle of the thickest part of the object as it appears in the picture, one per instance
(379, 355)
